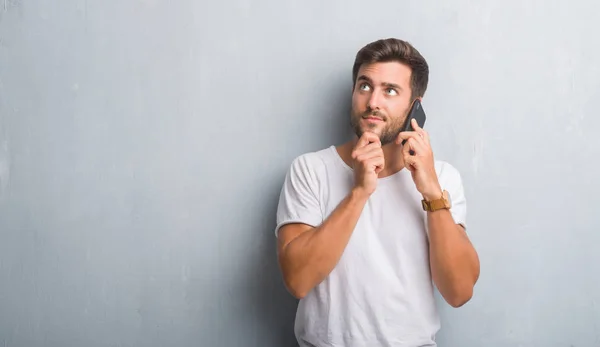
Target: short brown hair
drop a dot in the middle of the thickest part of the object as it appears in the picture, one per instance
(391, 49)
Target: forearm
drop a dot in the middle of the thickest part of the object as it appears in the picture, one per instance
(454, 261)
(311, 256)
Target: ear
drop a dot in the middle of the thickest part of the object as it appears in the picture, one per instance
(414, 100)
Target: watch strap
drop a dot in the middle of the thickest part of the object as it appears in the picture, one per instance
(437, 204)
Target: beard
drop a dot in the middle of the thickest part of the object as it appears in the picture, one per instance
(387, 134)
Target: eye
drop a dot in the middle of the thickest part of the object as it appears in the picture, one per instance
(364, 87)
(391, 91)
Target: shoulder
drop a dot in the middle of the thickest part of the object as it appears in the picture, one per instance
(312, 162)
(450, 180)
(447, 173)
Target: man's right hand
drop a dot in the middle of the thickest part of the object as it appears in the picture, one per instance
(368, 161)
(308, 254)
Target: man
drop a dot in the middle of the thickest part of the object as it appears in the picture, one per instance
(365, 229)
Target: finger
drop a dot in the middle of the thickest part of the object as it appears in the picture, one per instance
(370, 147)
(407, 151)
(415, 125)
(410, 162)
(418, 147)
(377, 162)
(367, 138)
(373, 153)
(422, 133)
(412, 146)
(412, 149)
(405, 135)
(362, 141)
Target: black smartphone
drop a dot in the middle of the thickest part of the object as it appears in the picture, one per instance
(416, 112)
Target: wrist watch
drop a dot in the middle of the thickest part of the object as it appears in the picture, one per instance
(442, 203)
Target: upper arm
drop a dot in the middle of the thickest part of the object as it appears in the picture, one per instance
(299, 207)
(289, 232)
(450, 180)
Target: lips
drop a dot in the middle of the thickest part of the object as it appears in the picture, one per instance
(372, 116)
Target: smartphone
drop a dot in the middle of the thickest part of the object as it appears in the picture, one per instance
(416, 112)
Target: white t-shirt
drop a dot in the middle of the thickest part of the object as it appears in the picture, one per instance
(381, 292)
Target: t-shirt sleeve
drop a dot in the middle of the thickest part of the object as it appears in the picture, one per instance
(298, 200)
(452, 182)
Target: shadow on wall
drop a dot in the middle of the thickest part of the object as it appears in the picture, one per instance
(270, 307)
(340, 129)
(332, 123)
(274, 307)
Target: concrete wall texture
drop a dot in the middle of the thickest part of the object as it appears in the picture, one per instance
(143, 144)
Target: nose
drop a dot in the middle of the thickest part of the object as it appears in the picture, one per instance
(374, 102)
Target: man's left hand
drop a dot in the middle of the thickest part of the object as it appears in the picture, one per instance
(420, 163)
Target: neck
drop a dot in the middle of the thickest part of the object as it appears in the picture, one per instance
(392, 154)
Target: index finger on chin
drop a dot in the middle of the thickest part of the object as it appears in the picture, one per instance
(367, 138)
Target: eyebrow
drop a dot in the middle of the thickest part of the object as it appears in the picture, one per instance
(386, 84)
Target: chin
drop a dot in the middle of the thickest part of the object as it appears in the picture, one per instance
(360, 131)
(375, 130)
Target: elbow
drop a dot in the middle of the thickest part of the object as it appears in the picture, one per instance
(462, 291)
(298, 294)
(296, 279)
(459, 300)
(459, 297)
(295, 287)
(293, 282)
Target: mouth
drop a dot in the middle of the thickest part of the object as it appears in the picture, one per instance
(372, 119)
